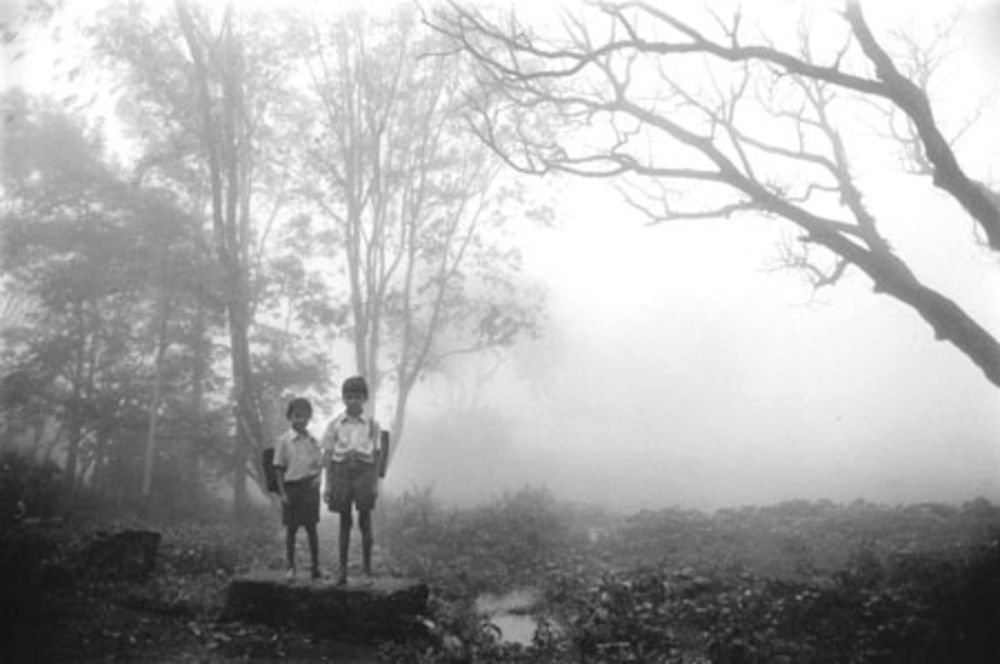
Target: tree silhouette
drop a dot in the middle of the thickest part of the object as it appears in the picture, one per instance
(704, 116)
(101, 268)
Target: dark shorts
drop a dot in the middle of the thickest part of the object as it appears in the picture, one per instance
(351, 482)
(303, 503)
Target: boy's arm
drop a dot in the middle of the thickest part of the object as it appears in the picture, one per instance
(325, 446)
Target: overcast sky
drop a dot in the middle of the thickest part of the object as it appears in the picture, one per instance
(679, 370)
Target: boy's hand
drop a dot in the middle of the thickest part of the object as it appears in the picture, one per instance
(284, 500)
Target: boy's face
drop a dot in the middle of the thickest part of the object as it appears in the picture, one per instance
(300, 419)
(355, 402)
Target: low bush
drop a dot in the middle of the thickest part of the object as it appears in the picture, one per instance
(798, 583)
(29, 489)
(495, 547)
(909, 607)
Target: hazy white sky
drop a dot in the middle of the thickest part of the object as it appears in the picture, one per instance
(680, 371)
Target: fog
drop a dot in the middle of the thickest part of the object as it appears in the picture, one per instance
(678, 367)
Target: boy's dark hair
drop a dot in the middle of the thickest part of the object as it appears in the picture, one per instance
(298, 403)
(355, 384)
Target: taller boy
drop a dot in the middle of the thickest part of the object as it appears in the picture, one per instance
(350, 445)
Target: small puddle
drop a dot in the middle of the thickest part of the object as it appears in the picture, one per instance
(515, 628)
(510, 613)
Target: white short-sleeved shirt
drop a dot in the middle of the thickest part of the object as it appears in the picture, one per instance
(299, 454)
(351, 437)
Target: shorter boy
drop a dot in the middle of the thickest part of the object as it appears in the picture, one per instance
(298, 463)
(351, 450)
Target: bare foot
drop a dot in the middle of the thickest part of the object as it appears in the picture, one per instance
(342, 580)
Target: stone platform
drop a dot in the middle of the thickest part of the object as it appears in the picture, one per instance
(389, 609)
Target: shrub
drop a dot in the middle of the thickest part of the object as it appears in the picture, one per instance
(493, 547)
(28, 488)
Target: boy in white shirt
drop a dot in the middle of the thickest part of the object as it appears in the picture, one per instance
(351, 452)
(298, 462)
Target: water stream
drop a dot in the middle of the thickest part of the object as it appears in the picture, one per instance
(511, 613)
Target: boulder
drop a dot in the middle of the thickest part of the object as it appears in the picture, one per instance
(389, 609)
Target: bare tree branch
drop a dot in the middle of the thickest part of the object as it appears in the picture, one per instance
(557, 104)
(948, 175)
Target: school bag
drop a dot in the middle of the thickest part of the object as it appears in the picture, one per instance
(270, 474)
(381, 447)
(383, 455)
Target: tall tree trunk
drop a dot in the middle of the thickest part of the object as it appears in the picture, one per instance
(248, 429)
(190, 463)
(74, 434)
(75, 429)
(99, 476)
(190, 457)
(399, 421)
(154, 406)
(225, 146)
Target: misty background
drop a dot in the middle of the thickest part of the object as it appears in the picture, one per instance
(678, 368)
(678, 364)
(682, 366)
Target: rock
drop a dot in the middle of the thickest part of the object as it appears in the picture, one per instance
(390, 609)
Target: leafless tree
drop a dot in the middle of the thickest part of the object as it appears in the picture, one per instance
(414, 202)
(682, 105)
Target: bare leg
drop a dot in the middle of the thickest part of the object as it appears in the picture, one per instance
(365, 522)
(313, 549)
(344, 544)
(290, 549)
